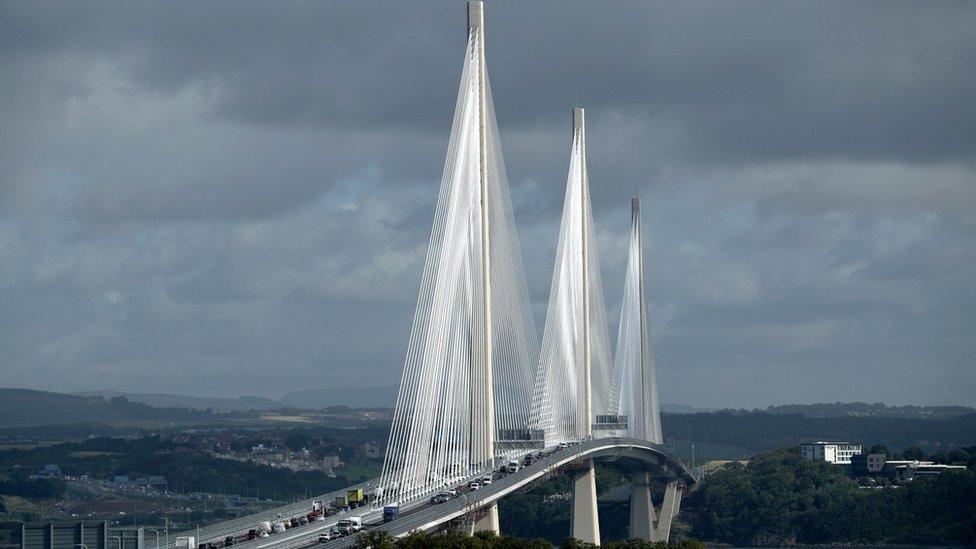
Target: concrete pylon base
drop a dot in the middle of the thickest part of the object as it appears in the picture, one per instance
(641, 507)
(488, 521)
(585, 522)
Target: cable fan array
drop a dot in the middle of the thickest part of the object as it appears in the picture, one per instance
(442, 430)
(472, 367)
(634, 393)
(576, 327)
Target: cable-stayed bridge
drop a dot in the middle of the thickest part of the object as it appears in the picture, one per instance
(465, 402)
(477, 390)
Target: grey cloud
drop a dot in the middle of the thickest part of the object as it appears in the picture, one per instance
(235, 197)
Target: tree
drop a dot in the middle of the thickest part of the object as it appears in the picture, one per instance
(880, 449)
(573, 543)
(778, 499)
(913, 452)
(296, 440)
(959, 457)
(375, 539)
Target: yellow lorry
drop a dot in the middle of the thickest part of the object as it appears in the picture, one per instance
(355, 497)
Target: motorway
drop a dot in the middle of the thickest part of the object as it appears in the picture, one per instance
(421, 515)
(217, 532)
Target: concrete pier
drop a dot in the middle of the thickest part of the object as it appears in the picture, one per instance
(487, 521)
(642, 517)
(585, 522)
(669, 509)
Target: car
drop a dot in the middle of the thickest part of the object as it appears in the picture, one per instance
(485, 480)
(325, 537)
(453, 492)
(335, 533)
(442, 497)
(474, 485)
(301, 520)
(319, 518)
(513, 466)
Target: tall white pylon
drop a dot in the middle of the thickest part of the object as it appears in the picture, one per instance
(573, 380)
(635, 392)
(469, 365)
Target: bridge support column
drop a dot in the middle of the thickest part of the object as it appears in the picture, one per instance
(585, 522)
(488, 520)
(641, 507)
(669, 509)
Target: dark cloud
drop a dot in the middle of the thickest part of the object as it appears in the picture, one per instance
(235, 197)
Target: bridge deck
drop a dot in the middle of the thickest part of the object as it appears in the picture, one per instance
(420, 516)
(220, 530)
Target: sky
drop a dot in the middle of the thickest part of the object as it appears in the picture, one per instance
(234, 198)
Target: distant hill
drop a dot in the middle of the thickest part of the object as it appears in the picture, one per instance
(28, 408)
(684, 409)
(864, 409)
(356, 397)
(31, 408)
(166, 400)
(315, 399)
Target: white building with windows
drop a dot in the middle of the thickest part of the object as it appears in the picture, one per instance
(831, 452)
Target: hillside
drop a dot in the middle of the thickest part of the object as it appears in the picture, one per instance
(864, 409)
(167, 400)
(27, 407)
(782, 499)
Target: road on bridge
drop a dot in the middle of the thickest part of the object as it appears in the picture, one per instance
(421, 515)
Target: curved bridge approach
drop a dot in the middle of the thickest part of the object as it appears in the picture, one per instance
(465, 510)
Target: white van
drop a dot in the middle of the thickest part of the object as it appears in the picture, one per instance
(350, 525)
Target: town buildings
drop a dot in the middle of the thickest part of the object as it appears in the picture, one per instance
(831, 452)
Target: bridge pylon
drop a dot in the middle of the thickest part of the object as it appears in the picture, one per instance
(634, 392)
(468, 369)
(573, 378)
